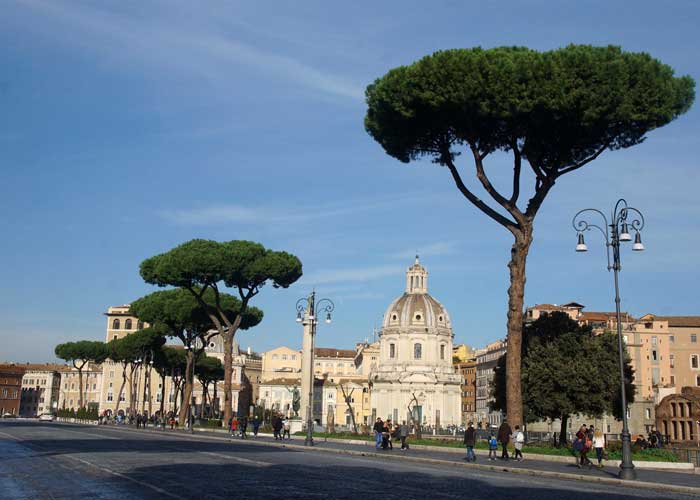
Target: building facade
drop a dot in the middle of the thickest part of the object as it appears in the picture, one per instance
(415, 367)
(486, 361)
(41, 386)
(10, 389)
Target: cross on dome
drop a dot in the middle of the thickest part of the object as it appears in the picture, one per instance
(416, 278)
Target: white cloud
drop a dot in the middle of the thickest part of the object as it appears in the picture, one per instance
(163, 40)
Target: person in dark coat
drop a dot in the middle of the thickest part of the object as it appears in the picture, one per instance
(378, 429)
(469, 442)
(504, 432)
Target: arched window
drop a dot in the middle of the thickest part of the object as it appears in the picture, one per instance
(392, 350)
(127, 324)
(442, 351)
(115, 324)
(417, 351)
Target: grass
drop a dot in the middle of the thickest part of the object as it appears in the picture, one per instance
(649, 455)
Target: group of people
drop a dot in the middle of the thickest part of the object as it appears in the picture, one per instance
(281, 428)
(504, 437)
(238, 426)
(587, 439)
(386, 431)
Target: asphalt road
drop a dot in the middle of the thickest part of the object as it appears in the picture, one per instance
(59, 461)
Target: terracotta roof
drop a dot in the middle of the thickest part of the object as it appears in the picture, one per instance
(12, 368)
(282, 381)
(681, 321)
(46, 367)
(604, 316)
(329, 352)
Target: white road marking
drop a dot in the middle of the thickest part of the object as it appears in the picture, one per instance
(237, 459)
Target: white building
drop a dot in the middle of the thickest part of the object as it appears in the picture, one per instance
(415, 359)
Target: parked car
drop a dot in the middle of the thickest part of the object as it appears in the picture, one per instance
(46, 417)
(8, 415)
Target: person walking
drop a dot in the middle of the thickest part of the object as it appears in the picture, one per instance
(580, 445)
(403, 435)
(469, 442)
(234, 426)
(256, 426)
(504, 432)
(518, 442)
(378, 429)
(286, 429)
(599, 446)
(277, 427)
(244, 427)
(388, 431)
(493, 447)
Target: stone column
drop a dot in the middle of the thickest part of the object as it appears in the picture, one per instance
(306, 367)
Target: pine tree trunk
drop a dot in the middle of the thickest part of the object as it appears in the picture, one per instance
(214, 406)
(516, 296)
(562, 430)
(80, 387)
(187, 392)
(228, 374)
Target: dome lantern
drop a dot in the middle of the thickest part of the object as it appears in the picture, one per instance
(416, 278)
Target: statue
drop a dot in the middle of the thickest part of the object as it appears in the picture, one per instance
(296, 400)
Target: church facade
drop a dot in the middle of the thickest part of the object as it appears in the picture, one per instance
(414, 378)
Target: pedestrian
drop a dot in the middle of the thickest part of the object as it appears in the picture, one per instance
(286, 429)
(378, 429)
(138, 420)
(518, 442)
(388, 428)
(256, 425)
(504, 432)
(234, 426)
(580, 445)
(277, 427)
(469, 442)
(244, 427)
(172, 422)
(599, 445)
(403, 434)
(493, 447)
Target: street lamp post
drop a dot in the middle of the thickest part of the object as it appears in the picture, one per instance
(307, 313)
(615, 232)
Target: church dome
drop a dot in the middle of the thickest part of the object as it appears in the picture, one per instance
(416, 308)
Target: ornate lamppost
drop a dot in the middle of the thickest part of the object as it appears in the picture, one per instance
(623, 218)
(308, 310)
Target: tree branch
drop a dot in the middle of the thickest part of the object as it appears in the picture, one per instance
(475, 200)
(582, 162)
(517, 165)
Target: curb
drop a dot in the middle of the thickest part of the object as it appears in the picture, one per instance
(491, 468)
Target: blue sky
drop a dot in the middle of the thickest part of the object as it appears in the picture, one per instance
(130, 127)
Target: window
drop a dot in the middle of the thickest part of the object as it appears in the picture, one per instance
(694, 361)
(647, 413)
(697, 380)
(284, 356)
(653, 340)
(417, 351)
(673, 380)
(121, 397)
(110, 396)
(671, 338)
(624, 338)
(115, 324)
(418, 317)
(139, 325)
(654, 356)
(392, 351)
(274, 356)
(127, 324)
(442, 351)
(393, 317)
(693, 338)
(672, 359)
(648, 326)
(294, 357)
